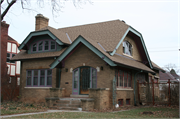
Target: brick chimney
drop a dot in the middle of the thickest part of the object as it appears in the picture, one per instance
(41, 21)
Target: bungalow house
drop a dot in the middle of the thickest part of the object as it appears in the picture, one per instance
(90, 62)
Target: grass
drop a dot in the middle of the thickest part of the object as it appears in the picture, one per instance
(8, 108)
(158, 112)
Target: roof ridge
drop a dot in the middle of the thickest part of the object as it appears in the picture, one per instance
(91, 24)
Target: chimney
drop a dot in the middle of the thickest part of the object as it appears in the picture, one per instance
(41, 21)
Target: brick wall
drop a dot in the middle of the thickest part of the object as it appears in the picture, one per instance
(81, 56)
(135, 53)
(35, 94)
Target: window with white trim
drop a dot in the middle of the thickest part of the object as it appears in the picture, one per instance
(127, 48)
(39, 78)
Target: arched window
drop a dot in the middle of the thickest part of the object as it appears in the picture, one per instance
(127, 48)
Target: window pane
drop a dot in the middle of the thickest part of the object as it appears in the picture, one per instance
(29, 81)
(46, 45)
(8, 54)
(76, 73)
(52, 45)
(94, 82)
(34, 47)
(8, 59)
(125, 79)
(35, 81)
(12, 61)
(93, 72)
(129, 79)
(127, 101)
(127, 48)
(75, 82)
(49, 72)
(42, 81)
(35, 72)
(49, 80)
(13, 55)
(42, 72)
(40, 46)
(29, 73)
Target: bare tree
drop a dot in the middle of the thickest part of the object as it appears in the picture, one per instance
(171, 68)
(56, 5)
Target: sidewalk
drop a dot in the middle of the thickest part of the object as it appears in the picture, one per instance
(49, 111)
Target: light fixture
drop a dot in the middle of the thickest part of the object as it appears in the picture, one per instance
(66, 69)
(101, 67)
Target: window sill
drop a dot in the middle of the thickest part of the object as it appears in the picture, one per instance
(127, 55)
(124, 89)
(38, 87)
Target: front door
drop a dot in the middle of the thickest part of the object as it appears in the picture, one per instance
(84, 78)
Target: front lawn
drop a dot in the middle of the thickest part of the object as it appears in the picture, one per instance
(158, 112)
(8, 108)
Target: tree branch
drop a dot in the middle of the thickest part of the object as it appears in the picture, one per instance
(7, 9)
(2, 1)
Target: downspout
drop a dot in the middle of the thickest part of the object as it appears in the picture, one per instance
(135, 87)
(59, 77)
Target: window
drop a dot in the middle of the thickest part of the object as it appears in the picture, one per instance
(49, 77)
(123, 78)
(127, 48)
(156, 82)
(52, 45)
(35, 78)
(120, 102)
(29, 74)
(9, 56)
(40, 47)
(127, 101)
(75, 78)
(40, 77)
(44, 46)
(34, 48)
(94, 76)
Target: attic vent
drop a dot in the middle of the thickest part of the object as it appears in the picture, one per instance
(123, 21)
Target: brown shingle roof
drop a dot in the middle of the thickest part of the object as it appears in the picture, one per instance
(23, 55)
(104, 32)
(156, 66)
(165, 76)
(59, 34)
(120, 59)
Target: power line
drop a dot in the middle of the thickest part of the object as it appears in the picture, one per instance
(165, 51)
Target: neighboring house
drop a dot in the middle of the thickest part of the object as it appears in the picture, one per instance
(82, 61)
(10, 70)
(163, 88)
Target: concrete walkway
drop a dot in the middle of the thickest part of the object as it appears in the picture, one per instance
(49, 111)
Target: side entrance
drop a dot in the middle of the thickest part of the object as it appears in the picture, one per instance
(83, 78)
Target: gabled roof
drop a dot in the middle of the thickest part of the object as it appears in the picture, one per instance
(96, 48)
(59, 36)
(155, 66)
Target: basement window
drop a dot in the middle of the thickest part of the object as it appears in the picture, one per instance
(127, 101)
(120, 102)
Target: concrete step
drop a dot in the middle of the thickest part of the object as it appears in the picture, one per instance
(79, 96)
(67, 105)
(68, 102)
(70, 108)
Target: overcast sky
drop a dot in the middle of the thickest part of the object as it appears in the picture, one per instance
(156, 20)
